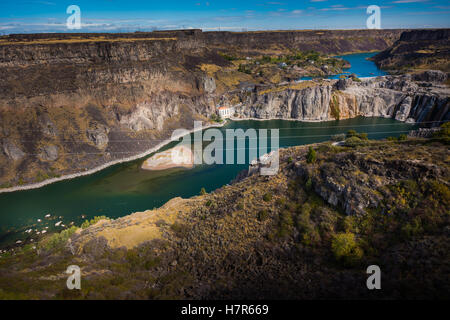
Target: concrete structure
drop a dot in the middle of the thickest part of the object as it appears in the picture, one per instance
(226, 112)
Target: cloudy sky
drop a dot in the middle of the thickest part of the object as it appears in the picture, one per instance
(23, 16)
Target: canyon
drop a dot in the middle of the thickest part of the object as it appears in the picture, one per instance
(72, 103)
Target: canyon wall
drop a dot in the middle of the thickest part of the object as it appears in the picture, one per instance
(325, 41)
(73, 102)
(417, 50)
(399, 98)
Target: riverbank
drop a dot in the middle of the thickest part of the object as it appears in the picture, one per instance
(109, 164)
(147, 152)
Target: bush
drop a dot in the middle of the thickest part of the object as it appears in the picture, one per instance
(345, 248)
(216, 118)
(338, 137)
(353, 142)
(308, 184)
(88, 223)
(312, 156)
(202, 191)
(444, 133)
(351, 133)
(403, 137)
(263, 215)
(267, 197)
(59, 239)
(285, 224)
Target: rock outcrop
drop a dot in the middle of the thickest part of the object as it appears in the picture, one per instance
(396, 97)
(417, 50)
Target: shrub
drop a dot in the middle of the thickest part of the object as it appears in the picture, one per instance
(179, 229)
(444, 133)
(345, 248)
(312, 156)
(308, 184)
(285, 224)
(351, 133)
(403, 137)
(59, 239)
(267, 197)
(353, 142)
(202, 191)
(216, 118)
(88, 223)
(363, 136)
(338, 137)
(263, 215)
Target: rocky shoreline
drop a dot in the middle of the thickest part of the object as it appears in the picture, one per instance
(106, 165)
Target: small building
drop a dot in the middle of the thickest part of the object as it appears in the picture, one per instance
(226, 112)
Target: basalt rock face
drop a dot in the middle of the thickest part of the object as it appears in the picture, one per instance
(396, 97)
(72, 105)
(417, 49)
(307, 232)
(72, 102)
(308, 104)
(325, 41)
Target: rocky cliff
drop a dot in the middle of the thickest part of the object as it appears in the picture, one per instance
(73, 102)
(309, 232)
(400, 98)
(417, 50)
(325, 41)
(69, 105)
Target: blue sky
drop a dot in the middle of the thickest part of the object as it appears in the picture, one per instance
(236, 15)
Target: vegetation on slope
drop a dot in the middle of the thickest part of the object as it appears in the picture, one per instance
(308, 232)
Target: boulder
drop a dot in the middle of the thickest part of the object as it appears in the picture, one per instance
(12, 151)
(49, 153)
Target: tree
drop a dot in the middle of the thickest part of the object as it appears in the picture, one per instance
(345, 248)
(351, 133)
(202, 191)
(311, 157)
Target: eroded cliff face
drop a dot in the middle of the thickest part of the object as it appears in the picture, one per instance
(70, 103)
(70, 107)
(417, 50)
(400, 98)
(325, 41)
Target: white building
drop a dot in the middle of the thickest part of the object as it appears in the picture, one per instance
(226, 112)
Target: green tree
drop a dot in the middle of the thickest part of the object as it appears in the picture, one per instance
(267, 197)
(312, 156)
(351, 133)
(202, 191)
(345, 248)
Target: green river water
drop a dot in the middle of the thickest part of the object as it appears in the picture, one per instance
(125, 188)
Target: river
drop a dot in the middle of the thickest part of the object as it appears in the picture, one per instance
(125, 188)
(360, 65)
